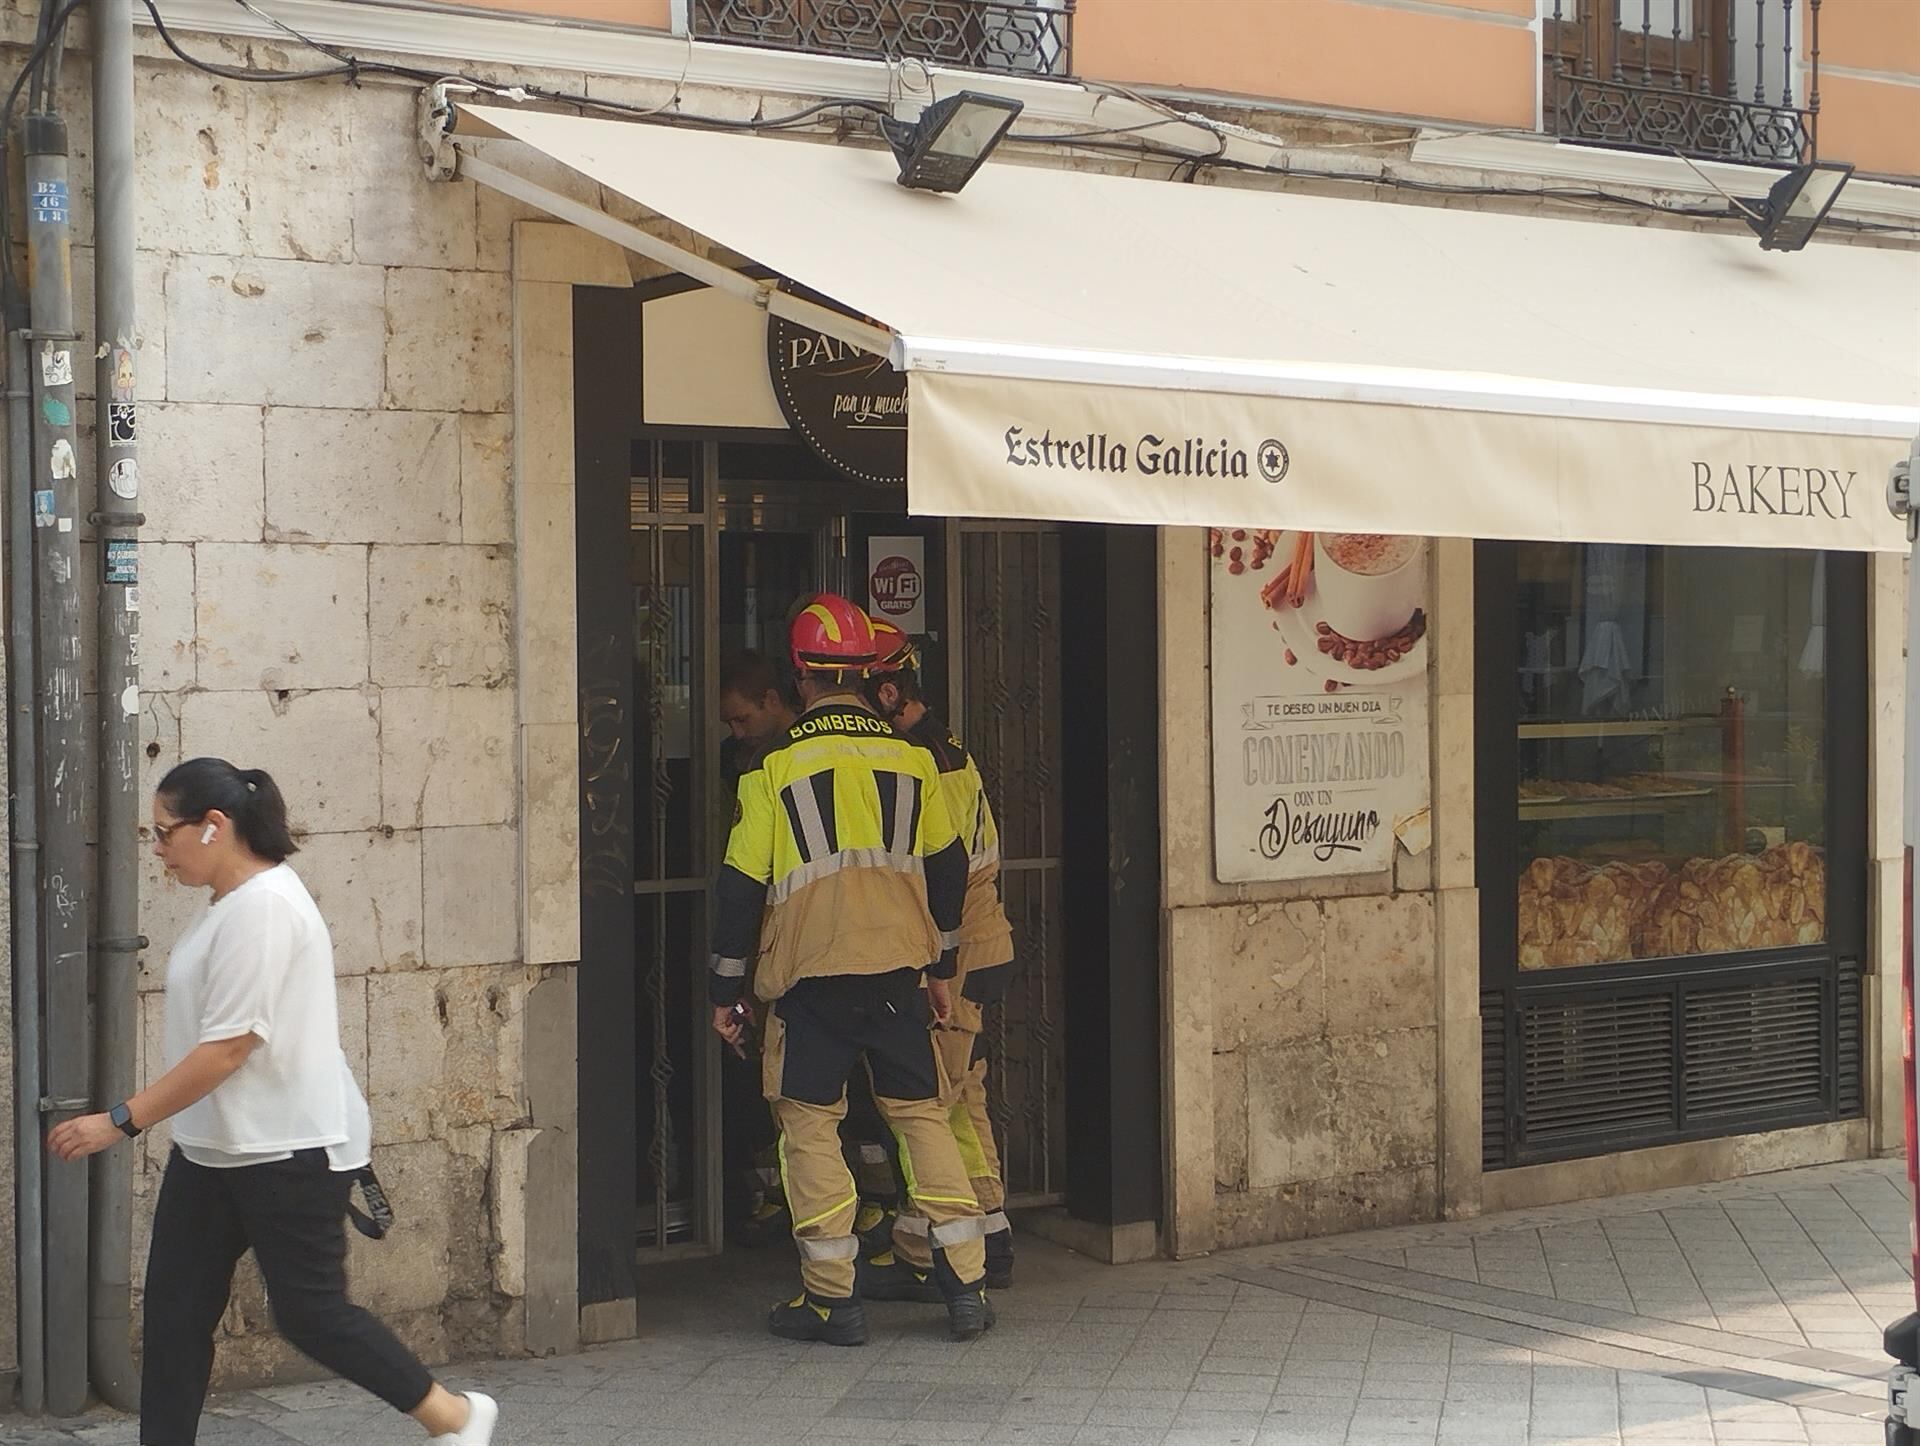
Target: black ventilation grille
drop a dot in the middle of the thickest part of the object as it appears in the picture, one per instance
(1685, 1057)
(1754, 1050)
(1493, 1080)
(1597, 1068)
(1849, 1060)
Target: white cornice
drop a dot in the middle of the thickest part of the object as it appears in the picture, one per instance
(469, 38)
(523, 43)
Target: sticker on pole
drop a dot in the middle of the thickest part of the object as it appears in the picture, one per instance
(56, 366)
(43, 510)
(61, 461)
(123, 561)
(897, 581)
(124, 478)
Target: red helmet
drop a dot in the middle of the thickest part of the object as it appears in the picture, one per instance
(894, 651)
(830, 634)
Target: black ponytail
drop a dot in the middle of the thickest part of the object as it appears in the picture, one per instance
(248, 796)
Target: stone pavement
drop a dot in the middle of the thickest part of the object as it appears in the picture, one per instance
(1743, 1312)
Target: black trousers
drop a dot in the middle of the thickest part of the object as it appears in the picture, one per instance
(293, 1215)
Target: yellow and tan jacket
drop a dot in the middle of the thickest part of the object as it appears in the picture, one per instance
(843, 858)
(985, 937)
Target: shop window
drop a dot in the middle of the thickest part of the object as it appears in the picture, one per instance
(1672, 792)
(1671, 765)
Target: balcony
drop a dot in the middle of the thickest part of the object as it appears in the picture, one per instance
(1720, 80)
(1024, 37)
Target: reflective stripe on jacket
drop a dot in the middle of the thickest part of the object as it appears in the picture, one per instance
(843, 858)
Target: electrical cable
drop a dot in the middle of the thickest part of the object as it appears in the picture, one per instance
(1097, 139)
(348, 68)
(42, 28)
(351, 68)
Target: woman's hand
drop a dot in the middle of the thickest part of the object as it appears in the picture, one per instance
(81, 1136)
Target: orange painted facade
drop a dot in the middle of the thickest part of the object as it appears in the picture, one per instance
(1344, 54)
(1470, 62)
(1870, 85)
(641, 14)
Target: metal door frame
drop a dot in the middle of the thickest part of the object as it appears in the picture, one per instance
(956, 532)
(830, 563)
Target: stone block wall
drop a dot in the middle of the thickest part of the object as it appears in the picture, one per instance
(1324, 1059)
(1322, 1038)
(326, 361)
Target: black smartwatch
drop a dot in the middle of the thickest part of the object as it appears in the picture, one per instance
(122, 1119)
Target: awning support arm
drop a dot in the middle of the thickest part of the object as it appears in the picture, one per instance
(764, 294)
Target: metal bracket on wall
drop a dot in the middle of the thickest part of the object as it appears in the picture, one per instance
(762, 293)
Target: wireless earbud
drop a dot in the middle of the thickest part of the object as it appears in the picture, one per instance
(206, 834)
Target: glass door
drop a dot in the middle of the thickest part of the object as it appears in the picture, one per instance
(726, 538)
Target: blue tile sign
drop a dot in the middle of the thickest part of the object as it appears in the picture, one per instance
(49, 201)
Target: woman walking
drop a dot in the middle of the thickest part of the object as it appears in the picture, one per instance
(269, 1128)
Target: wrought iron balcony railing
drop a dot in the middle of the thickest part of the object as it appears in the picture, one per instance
(1028, 37)
(1715, 79)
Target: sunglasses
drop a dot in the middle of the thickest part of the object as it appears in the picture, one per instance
(165, 831)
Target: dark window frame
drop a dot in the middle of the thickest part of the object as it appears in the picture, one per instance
(1507, 991)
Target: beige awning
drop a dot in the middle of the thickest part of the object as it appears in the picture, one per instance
(1094, 348)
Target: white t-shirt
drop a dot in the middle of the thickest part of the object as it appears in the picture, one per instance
(260, 961)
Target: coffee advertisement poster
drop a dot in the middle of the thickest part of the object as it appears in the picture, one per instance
(1319, 661)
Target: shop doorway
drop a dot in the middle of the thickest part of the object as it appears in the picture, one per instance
(693, 545)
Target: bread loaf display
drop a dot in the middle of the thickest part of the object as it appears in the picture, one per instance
(1573, 912)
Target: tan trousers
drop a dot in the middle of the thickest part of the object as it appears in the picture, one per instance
(966, 1106)
(809, 1052)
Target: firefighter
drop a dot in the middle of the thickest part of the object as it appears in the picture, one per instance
(984, 967)
(844, 872)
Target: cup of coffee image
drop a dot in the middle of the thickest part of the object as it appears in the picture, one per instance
(1370, 583)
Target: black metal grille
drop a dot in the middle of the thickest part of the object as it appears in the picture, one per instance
(1849, 1056)
(1753, 1050)
(1637, 117)
(1648, 1061)
(1596, 1067)
(1493, 1080)
(1716, 80)
(1027, 38)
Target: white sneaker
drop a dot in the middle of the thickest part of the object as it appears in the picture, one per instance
(482, 1412)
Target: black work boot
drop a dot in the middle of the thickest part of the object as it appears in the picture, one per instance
(874, 1226)
(810, 1317)
(1000, 1259)
(968, 1314)
(887, 1277)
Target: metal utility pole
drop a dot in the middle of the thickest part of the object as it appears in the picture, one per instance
(117, 858)
(66, 756)
(24, 877)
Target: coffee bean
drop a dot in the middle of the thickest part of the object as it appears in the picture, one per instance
(1236, 566)
(1332, 686)
(1291, 660)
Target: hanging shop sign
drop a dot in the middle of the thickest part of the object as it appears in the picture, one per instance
(849, 405)
(1319, 662)
(897, 581)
